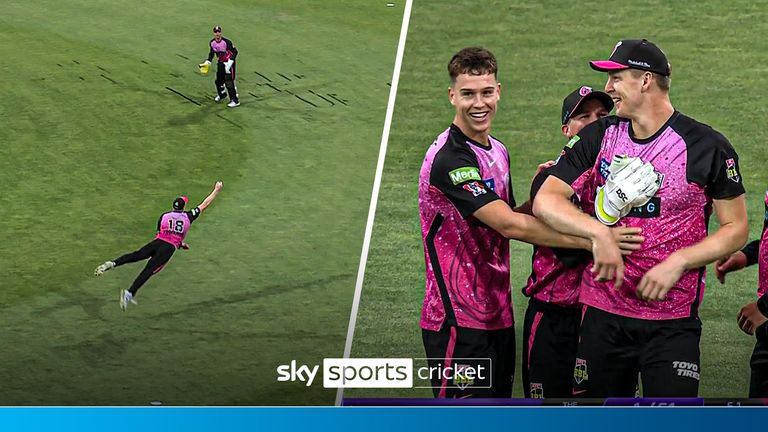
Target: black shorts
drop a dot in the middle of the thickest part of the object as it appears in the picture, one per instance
(758, 365)
(550, 340)
(465, 349)
(613, 349)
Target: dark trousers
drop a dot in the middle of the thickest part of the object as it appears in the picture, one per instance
(460, 349)
(550, 341)
(225, 82)
(613, 349)
(158, 252)
(758, 364)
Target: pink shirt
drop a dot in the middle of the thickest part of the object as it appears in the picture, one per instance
(467, 263)
(698, 165)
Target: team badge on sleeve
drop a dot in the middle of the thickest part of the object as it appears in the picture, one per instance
(476, 188)
(731, 171)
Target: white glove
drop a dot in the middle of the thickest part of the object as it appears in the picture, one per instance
(228, 65)
(652, 186)
(630, 183)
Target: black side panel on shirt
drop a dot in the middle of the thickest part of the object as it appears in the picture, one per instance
(712, 161)
(160, 219)
(231, 47)
(450, 316)
(456, 173)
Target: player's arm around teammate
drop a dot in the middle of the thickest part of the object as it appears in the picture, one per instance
(554, 207)
(523, 227)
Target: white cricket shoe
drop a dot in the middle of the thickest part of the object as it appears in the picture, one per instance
(109, 265)
(233, 104)
(218, 98)
(125, 298)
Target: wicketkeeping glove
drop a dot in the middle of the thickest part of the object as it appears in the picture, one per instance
(651, 186)
(630, 184)
(228, 65)
(204, 66)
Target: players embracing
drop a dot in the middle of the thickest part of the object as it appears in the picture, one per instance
(641, 312)
(465, 208)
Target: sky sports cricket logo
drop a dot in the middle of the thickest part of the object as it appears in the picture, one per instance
(390, 373)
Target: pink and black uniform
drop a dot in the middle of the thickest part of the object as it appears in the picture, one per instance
(757, 253)
(551, 326)
(467, 310)
(225, 81)
(172, 228)
(622, 335)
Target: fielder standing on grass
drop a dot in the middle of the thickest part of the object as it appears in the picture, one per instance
(753, 317)
(465, 200)
(226, 53)
(551, 327)
(647, 320)
(172, 228)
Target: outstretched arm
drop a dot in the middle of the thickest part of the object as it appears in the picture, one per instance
(209, 199)
(523, 227)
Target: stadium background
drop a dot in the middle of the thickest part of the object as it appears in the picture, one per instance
(718, 77)
(99, 134)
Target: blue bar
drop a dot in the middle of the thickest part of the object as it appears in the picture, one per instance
(641, 419)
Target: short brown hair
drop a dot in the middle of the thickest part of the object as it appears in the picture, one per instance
(662, 81)
(472, 61)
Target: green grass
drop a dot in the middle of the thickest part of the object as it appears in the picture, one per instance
(543, 49)
(95, 147)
